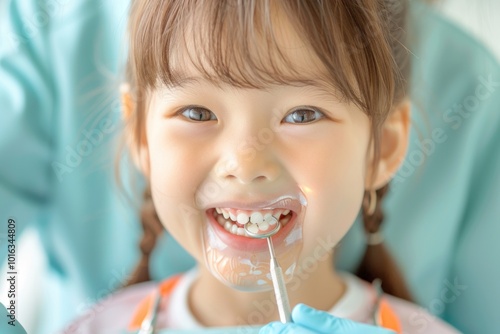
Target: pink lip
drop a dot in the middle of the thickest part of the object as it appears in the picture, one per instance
(248, 244)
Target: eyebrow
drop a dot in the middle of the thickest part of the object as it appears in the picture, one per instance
(325, 87)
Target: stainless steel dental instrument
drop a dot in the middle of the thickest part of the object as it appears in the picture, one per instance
(148, 324)
(276, 272)
(377, 285)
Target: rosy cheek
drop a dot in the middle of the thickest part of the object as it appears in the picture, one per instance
(334, 178)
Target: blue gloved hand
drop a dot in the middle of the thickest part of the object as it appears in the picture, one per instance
(307, 320)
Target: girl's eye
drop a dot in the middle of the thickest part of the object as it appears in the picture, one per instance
(198, 114)
(303, 116)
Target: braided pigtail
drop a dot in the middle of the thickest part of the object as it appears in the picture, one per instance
(152, 229)
(377, 261)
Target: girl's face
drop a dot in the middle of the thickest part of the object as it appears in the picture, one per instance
(207, 144)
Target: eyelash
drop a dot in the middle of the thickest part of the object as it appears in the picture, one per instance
(305, 108)
(316, 111)
(183, 110)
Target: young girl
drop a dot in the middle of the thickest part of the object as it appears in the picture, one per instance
(263, 113)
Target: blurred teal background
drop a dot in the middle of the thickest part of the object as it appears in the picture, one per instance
(60, 69)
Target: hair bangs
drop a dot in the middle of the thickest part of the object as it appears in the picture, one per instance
(351, 48)
(241, 43)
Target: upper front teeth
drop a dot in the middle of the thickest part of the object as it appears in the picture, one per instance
(256, 217)
(261, 220)
(242, 218)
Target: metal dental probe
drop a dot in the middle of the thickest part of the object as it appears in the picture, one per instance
(149, 322)
(276, 273)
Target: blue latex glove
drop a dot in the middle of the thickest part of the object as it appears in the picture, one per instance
(307, 320)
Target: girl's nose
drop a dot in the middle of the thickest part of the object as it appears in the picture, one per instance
(247, 164)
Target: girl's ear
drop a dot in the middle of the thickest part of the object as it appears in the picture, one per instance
(394, 139)
(137, 147)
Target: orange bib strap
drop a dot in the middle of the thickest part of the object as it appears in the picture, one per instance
(387, 318)
(140, 313)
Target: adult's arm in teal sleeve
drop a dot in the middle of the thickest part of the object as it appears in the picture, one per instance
(26, 114)
(442, 213)
(473, 293)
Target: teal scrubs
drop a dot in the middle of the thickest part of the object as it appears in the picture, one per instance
(60, 68)
(443, 213)
(60, 65)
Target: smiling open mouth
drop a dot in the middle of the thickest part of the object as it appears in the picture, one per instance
(263, 220)
(240, 259)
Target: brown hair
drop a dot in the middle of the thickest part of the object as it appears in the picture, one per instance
(360, 44)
